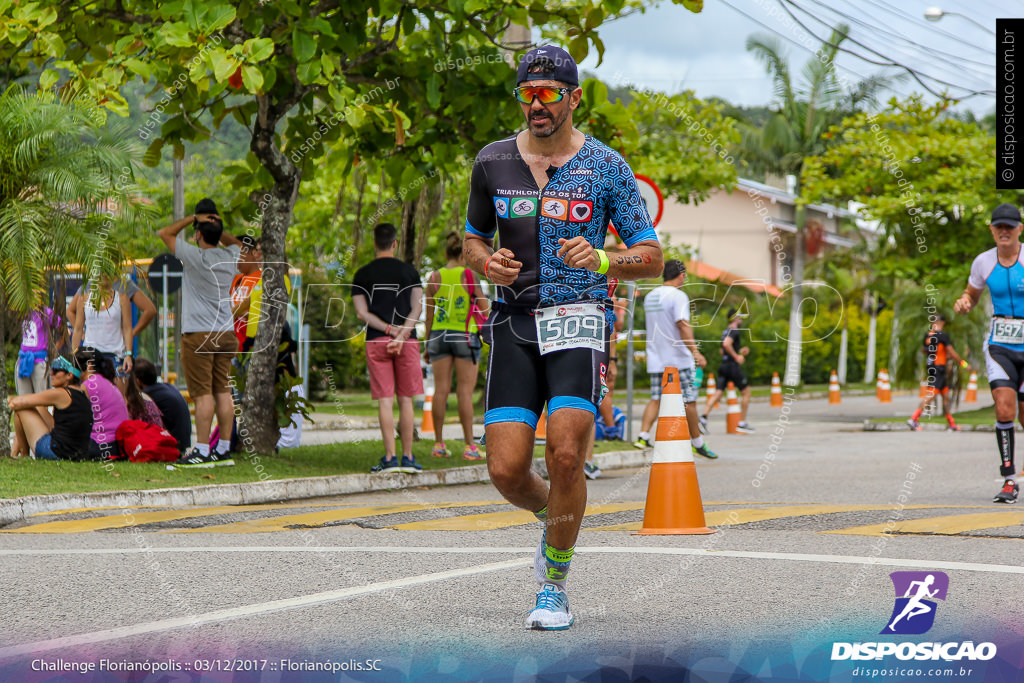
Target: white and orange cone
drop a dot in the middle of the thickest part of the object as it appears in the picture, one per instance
(712, 387)
(776, 399)
(732, 410)
(833, 389)
(885, 395)
(878, 386)
(541, 435)
(673, 504)
(972, 389)
(924, 389)
(427, 429)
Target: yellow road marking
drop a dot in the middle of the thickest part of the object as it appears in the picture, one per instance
(72, 511)
(499, 520)
(136, 518)
(946, 525)
(743, 516)
(313, 519)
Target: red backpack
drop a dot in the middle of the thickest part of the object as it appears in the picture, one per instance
(144, 442)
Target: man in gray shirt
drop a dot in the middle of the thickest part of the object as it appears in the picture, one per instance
(208, 339)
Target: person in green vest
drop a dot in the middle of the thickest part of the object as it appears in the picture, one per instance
(456, 307)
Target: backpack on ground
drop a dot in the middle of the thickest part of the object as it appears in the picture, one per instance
(144, 442)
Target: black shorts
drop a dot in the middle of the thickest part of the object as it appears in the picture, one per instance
(937, 378)
(731, 372)
(1005, 368)
(520, 380)
(445, 343)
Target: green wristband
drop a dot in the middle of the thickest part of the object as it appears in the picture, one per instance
(603, 267)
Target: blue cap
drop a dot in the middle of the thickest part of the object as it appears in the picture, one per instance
(561, 66)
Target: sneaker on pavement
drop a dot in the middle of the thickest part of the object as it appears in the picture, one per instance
(744, 428)
(471, 452)
(552, 610)
(591, 470)
(953, 427)
(704, 429)
(409, 465)
(642, 443)
(1008, 494)
(385, 466)
(914, 425)
(706, 452)
(195, 459)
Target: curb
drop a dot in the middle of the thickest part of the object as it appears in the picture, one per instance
(250, 493)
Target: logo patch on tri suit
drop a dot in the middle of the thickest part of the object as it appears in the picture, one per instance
(501, 206)
(554, 208)
(579, 212)
(524, 207)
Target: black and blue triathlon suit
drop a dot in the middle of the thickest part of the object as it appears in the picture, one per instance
(595, 186)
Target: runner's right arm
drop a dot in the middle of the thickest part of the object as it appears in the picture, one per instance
(968, 300)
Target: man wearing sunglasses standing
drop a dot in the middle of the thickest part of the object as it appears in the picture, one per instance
(549, 192)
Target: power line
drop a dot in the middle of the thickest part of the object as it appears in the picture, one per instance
(917, 75)
(931, 50)
(786, 38)
(919, 20)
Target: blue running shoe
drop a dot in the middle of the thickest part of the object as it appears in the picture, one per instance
(409, 465)
(552, 610)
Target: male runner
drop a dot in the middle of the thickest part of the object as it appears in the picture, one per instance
(670, 343)
(1001, 269)
(733, 356)
(549, 192)
(937, 348)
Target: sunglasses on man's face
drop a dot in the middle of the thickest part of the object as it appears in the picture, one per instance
(546, 94)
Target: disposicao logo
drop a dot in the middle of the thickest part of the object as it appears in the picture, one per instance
(914, 614)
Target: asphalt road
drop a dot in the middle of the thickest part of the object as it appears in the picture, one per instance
(434, 584)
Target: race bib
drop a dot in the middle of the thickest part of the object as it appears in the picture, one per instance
(1007, 331)
(571, 326)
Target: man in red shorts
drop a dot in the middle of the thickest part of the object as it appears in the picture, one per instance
(388, 297)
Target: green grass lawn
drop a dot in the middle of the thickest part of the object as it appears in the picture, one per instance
(978, 416)
(25, 477)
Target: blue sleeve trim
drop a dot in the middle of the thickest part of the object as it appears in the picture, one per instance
(523, 415)
(646, 236)
(557, 402)
(473, 231)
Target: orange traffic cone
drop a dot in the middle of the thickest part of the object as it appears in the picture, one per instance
(972, 389)
(732, 410)
(833, 389)
(924, 389)
(673, 495)
(428, 416)
(878, 386)
(541, 435)
(776, 391)
(885, 395)
(712, 387)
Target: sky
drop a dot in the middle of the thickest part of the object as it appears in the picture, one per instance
(670, 49)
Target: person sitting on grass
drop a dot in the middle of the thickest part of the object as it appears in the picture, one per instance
(141, 406)
(65, 435)
(107, 402)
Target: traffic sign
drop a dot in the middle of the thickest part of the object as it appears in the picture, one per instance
(652, 197)
(173, 269)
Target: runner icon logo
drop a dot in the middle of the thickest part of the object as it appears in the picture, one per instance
(524, 207)
(579, 212)
(913, 612)
(554, 208)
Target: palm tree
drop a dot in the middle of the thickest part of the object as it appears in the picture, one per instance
(67, 195)
(795, 131)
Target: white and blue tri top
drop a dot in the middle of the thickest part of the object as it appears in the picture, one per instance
(1005, 285)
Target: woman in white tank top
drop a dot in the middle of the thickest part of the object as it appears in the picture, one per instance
(104, 322)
